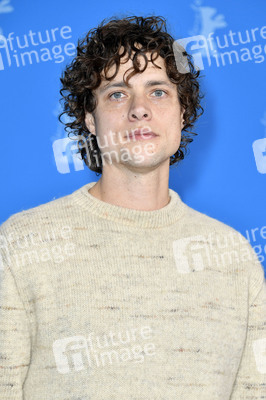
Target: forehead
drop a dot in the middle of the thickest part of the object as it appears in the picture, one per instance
(126, 67)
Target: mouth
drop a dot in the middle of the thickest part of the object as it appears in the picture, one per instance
(138, 135)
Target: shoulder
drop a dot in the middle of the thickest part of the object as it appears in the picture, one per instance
(224, 245)
(222, 237)
(202, 222)
(47, 216)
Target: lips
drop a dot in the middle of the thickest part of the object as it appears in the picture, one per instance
(139, 132)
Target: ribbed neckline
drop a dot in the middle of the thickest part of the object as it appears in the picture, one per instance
(165, 216)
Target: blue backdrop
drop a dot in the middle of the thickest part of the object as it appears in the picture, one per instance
(224, 174)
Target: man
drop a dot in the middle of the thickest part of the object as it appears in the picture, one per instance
(120, 290)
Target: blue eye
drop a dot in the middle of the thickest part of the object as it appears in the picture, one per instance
(115, 93)
(159, 90)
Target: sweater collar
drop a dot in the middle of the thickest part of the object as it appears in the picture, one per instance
(165, 216)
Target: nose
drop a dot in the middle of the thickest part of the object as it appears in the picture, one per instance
(139, 110)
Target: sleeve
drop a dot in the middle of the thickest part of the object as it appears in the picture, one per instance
(250, 382)
(14, 337)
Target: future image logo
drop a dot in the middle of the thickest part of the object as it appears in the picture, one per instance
(208, 49)
(35, 47)
(76, 353)
(197, 253)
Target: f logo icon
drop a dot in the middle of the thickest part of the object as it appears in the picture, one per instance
(65, 152)
(259, 150)
(259, 349)
(197, 46)
(4, 45)
(191, 254)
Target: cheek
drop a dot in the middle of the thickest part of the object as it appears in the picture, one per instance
(173, 132)
(173, 122)
(168, 112)
(106, 122)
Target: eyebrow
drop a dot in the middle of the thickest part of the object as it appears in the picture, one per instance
(122, 84)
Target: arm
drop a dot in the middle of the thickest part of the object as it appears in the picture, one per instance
(14, 338)
(250, 382)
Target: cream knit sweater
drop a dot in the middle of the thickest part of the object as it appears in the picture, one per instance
(102, 302)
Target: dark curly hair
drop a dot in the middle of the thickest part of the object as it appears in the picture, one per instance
(98, 51)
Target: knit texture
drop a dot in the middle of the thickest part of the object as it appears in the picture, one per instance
(101, 302)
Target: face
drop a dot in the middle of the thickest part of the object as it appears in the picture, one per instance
(125, 117)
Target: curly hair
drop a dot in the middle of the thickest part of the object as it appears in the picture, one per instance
(98, 51)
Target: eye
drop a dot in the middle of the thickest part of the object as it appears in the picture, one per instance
(160, 91)
(115, 97)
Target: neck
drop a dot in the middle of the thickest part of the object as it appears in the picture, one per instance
(133, 189)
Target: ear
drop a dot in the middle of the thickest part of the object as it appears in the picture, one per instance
(90, 122)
